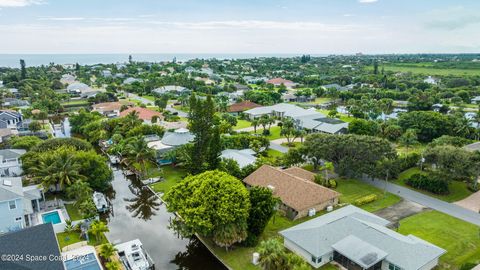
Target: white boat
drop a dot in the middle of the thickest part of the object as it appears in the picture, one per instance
(100, 202)
(114, 159)
(134, 257)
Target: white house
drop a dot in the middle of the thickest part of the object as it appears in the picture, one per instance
(10, 163)
(357, 239)
(243, 157)
(18, 204)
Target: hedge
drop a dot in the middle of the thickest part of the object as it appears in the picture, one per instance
(366, 199)
(428, 183)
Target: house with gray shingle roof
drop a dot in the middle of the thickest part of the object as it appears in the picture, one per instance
(357, 239)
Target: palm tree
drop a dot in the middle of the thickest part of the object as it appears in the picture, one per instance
(68, 226)
(144, 204)
(131, 120)
(271, 254)
(60, 170)
(137, 151)
(113, 265)
(107, 251)
(97, 228)
(255, 124)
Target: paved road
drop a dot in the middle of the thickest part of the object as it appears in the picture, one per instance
(441, 206)
(171, 109)
(139, 98)
(278, 147)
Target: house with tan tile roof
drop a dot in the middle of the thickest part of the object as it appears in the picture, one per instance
(143, 113)
(242, 106)
(295, 188)
(110, 109)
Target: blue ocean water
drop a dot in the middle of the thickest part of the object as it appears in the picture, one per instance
(13, 60)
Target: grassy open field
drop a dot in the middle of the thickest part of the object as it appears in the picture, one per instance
(172, 176)
(430, 70)
(458, 190)
(73, 212)
(461, 239)
(242, 124)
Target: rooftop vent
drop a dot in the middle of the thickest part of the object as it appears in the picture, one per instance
(7, 183)
(272, 188)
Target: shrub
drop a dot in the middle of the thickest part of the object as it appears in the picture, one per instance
(428, 183)
(407, 161)
(366, 199)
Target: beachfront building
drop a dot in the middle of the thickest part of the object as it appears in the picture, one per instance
(358, 240)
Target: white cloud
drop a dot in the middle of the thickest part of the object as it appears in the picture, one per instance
(61, 19)
(20, 3)
(367, 1)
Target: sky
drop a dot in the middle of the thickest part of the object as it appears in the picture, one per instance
(240, 26)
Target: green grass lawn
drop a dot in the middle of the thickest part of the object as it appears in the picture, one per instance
(341, 116)
(292, 145)
(274, 132)
(458, 190)
(352, 189)
(151, 98)
(274, 153)
(461, 239)
(418, 148)
(66, 239)
(73, 212)
(322, 100)
(242, 124)
(430, 71)
(172, 176)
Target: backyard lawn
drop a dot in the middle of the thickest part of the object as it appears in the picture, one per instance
(274, 153)
(66, 239)
(341, 116)
(458, 190)
(353, 189)
(461, 239)
(73, 212)
(242, 124)
(172, 176)
(274, 132)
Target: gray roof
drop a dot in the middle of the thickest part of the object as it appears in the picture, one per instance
(472, 147)
(38, 240)
(169, 88)
(319, 122)
(243, 157)
(11, 153)
(321, 235)
(288, 110)
(179, 137)
(359, 251)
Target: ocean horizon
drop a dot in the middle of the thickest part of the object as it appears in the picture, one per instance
(13, 60)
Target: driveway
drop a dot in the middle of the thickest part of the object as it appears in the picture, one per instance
(441, 206)
(171, 109)
(139, 98)
(472, 202)
(400, 210)
(278, 147)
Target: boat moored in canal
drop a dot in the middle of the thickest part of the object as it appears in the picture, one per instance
(134, 256)
(100, 202)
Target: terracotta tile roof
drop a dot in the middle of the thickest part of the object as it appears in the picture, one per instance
(143, 113)
(301, 173)
(243, 106)
(279, 81)
(298, 193)
(109, 106)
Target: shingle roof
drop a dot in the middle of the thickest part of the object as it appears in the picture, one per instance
(34, 241)
(298, 193)
(242, 106)
(319, 236)
(301, 173)
(109, 106)
(472, 147)
(143, 113)
(279, 81)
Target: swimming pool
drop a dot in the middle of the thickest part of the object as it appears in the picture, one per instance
(86, 262)
(51, 217)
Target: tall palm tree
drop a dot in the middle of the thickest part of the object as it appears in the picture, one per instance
(255, 124)
(107, 251)
(137, 151)
(97, 228)
(144, 205)
(60, 170)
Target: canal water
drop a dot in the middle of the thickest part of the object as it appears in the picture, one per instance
(137, 213)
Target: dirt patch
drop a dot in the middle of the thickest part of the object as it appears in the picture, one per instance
(400, 211)
(472, 202)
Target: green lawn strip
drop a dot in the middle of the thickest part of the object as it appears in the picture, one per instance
(274, 153)
(152, 169)
(73, 212)
(402, 150)
(73, 103)
(461, 239)
(352, 189)
(458, 190)
(242, 124)
(292, 145)
(431, 71)
(341, 116)
(66, 239)
(274, 132)
(172, 176)
(151, 98)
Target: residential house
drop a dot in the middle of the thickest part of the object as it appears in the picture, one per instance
(472, 147)
(335, 86)
(15, 102)
(18, 204)
(170, 88)
(107, 73)
(146, 115)
(169, 141)
(254, 80)
(475, 100)
(131, 80)
(241, 87)
(280, 81)
(357, 239)
(431, 80)
(291, 97)
(109, 109)
(243, 157)
(10, 162)
(67, 79)
(309, 120)
(78, 88)
(296, 188)
(37, 242)
(5, 134)
(10, 119)
(237, 108)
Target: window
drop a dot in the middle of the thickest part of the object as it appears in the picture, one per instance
(316, 260)
(392, 266)
(18, 218)
(12, 205)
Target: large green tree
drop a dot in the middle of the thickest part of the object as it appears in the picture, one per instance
(213, 204)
